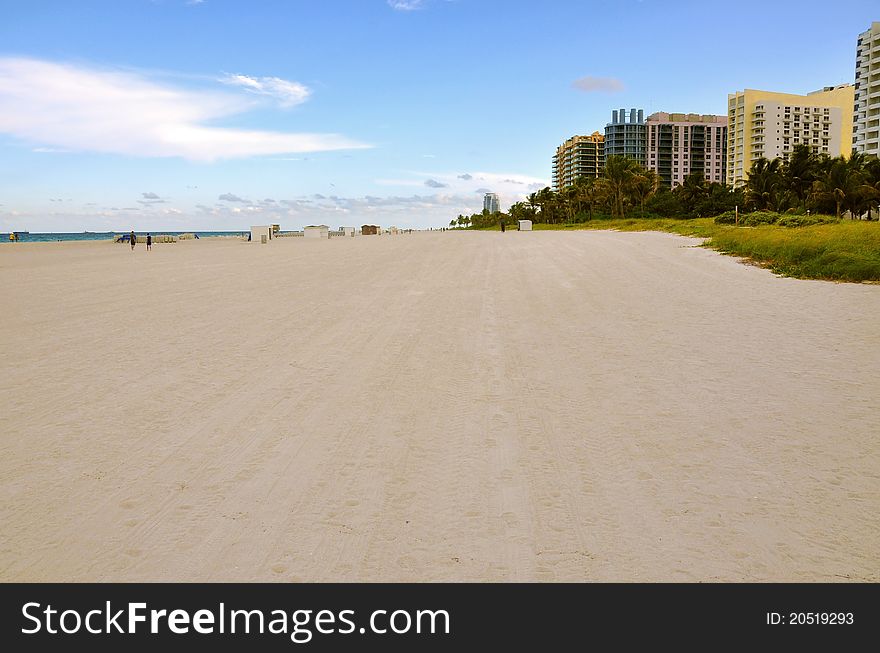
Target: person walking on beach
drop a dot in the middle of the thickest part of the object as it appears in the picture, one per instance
(133, 239)
(149, 242)
(503, 223)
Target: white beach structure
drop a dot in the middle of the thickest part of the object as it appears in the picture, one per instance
(348, 231)
(525, 225)
(317, 231)
(261, 233)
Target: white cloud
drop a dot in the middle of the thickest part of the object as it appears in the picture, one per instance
(591, 84)
(287, 93)
(406, 5)
(84, 109)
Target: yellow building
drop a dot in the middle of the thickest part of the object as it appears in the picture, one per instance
(769, 125)
(579, 156)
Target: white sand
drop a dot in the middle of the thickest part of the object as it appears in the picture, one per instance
(448, 406)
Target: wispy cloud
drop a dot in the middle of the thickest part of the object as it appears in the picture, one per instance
(85, 109)
(151, 198)
(406, 5)
(229, 197)
(466, 189)
(591, 84)
(287, 93)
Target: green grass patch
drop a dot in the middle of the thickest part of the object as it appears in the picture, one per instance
(834, 251)
(845, 251)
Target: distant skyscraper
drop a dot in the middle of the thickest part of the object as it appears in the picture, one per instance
(866, 118)
(769, 125)
(626, 138)
(679, 144)
(490, 203)
(579, 156)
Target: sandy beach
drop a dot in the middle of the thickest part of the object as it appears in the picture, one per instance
(545, 406)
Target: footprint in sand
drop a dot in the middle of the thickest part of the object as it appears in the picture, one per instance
(510, 519)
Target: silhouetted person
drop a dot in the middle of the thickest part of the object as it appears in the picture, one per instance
(133, 240)
(149, 242)
(503, 223)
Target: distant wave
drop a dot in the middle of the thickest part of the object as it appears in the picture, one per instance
(105, 235)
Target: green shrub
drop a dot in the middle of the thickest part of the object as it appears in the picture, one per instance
(805, 220)
(759, 218)
(728, 217)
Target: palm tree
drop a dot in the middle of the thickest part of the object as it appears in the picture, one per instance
(692, 191)
(522, 211)
(764, 181)
(570, 201)
(857, 200)
(548, 202)
(532, 200)
(833, 183)
(617, 181)
(587, 193)
(871, 185)
(644, 184)
(799, 172)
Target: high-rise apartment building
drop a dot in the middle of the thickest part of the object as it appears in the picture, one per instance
(626, 137)
(769, 125)
(679, 144)
(866, 118)
(579, 156)
(490, 203)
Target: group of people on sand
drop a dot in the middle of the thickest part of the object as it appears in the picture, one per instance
(133, 239)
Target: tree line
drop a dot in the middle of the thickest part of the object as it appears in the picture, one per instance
(806, 182)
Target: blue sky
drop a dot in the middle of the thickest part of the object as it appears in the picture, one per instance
(219, 114)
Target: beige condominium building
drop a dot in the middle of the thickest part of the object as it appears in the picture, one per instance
(579, 156)
(866, 118)
(679, 144)
(769, 125)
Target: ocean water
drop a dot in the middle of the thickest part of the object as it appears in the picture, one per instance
(105, 235)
